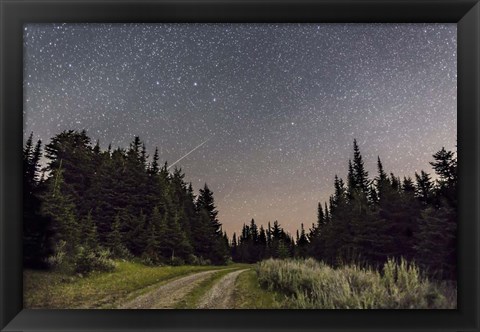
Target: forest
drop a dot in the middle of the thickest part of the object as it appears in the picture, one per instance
(84, 207)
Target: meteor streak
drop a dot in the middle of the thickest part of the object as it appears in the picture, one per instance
(188, 153)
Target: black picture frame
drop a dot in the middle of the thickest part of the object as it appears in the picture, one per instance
(15, 13)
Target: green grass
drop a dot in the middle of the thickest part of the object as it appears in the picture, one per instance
(309, 284)
(305, 284)
(249, 295)
(55, 290)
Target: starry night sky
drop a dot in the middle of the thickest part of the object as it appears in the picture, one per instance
(277, 106)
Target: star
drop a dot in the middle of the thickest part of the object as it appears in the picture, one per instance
(279, 104)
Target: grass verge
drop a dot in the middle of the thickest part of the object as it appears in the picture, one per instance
(53, 290)
(249, 295)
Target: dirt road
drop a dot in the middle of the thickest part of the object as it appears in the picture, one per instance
(167, 295)
(220, 296)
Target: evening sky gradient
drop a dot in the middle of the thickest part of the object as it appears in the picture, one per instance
(277, 104)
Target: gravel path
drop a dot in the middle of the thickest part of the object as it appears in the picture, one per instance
(220, 296)
(167, 295)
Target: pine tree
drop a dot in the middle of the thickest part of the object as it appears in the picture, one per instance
(408, 185)
(327, 214)
(262, 243)
(96, 148)
(339, 197)
(135, 235)
(206, 202)
(89, 233)
(36, 234)
(108, 192)
(73, 150)
(154, 167)
(436, 242)
(58, 206)
(320, 216)
(351, 181)
(115, 239)
(360, 174)
(234, 250)
(177, 240)
(302, 243)
(445, 166)
(136, 178)
(424, 187)
(33, 166)
(209, 242)
(27, 151)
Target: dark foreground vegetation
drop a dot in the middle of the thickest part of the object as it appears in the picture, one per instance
(309, 284)
(88, 207)
(368, 221)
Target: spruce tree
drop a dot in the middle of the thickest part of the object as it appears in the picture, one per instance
(320, 216)
(36, 228)
(89, 232)
(436, 242)
(302, 243)
(445, 166)
(115, 239)
(74, 151)
(209, 243)
(360, 174)
(424, 187)
(155, 167)
(234, 250)
(58, 206)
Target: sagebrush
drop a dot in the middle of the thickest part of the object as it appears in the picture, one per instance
(309, 284)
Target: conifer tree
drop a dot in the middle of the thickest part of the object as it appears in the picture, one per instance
(209, 242)
(262, 243)
(73, 150)
(360, 174)
(424, 187)
(327, 214)
(445, 166)
(320, 216)
(302, 243)
(177, 240)
(115, 239)
(351, 181)
(89, 233)
(27, 152)
(60, 209)
(155, 167)
(436, 242)
(135, 235)
(36, 228)
(234, 249)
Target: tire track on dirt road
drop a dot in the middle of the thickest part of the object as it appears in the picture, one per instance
(220, 296)
(168, 294)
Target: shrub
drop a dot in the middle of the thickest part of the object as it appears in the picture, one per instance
(121, 252)
(194, 260)
(83, 260)
(176, 261)
(88, 260)
(59, 260)
(309, 284)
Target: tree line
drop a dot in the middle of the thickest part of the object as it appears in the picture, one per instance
(87, 201)
(87, 204)
(369, 220)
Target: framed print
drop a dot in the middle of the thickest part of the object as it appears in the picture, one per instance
(305, 165)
